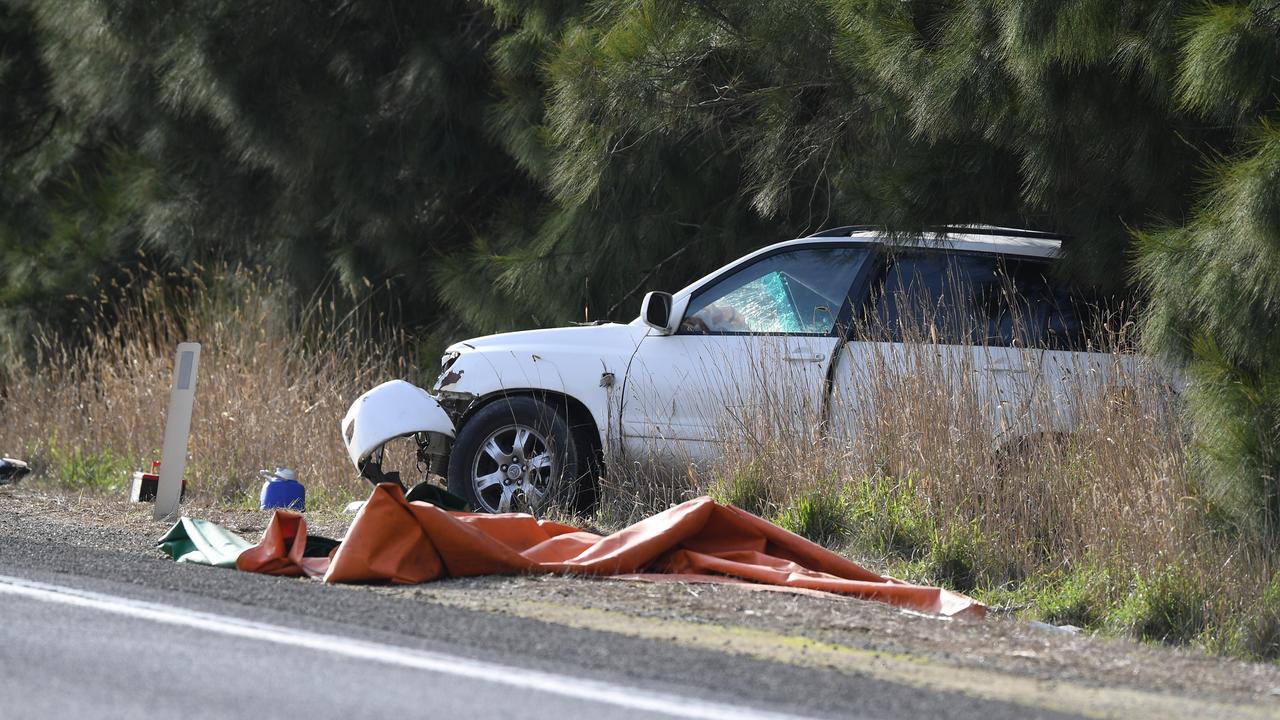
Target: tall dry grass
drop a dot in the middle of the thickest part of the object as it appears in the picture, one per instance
(1071, 501)
(1066, 490)
(1054, 466)
(276, 374)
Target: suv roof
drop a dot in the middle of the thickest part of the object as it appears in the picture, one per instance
(978, 238)
(972, 238)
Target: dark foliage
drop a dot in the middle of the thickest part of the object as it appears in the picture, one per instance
(505, 163)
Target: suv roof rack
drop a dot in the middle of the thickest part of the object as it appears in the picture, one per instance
(843, 231)
(992, 230)
(996, 231)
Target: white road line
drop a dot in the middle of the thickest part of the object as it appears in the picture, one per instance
(564, 685)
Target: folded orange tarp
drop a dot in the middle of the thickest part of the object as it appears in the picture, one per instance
(393, 540)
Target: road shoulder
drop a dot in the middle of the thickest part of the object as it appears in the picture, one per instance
(998, 659)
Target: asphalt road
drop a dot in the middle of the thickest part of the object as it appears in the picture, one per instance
(88, 632)
(115, 657)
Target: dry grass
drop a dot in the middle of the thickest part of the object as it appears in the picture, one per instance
(276, 375)
(1053, 469)
(1073, 503)
(1071, 500)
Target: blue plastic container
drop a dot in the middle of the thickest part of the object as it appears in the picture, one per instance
(282, 490)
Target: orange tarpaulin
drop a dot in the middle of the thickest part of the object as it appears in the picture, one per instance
(393, 540)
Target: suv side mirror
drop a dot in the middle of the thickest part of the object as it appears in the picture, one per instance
(662, 312)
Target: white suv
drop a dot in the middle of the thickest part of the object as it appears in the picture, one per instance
(515, 416)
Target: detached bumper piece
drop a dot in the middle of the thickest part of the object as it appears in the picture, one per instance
(391, 410)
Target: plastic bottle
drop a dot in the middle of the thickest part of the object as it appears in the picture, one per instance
(282, 490)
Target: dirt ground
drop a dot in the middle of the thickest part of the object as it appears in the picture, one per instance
(1011, 656)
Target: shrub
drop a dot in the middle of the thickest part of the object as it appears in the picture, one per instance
(1169, 607)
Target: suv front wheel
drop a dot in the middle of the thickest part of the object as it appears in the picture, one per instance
(515, 454)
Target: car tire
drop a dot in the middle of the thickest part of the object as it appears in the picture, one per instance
(516, 454)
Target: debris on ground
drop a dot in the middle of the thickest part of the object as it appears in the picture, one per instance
(402, 542)
(118, 538)
(145, 485)
(281, 489)
(11, 470)
(203, 543)
(1049, 627)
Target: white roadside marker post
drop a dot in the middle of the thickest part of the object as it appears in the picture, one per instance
(177, 429)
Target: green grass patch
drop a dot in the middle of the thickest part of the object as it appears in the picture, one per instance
(1083, 597)
(1169, 607)
(1251, 631)
(77, 468)
(957, 556)
(821, 516)
(888, 518)
(746, 488)
(888, 521)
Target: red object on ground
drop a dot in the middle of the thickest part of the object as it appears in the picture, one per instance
(280, 550)
(145, 485)
(393, 540)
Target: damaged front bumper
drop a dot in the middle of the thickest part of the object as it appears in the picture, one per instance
(391, 410)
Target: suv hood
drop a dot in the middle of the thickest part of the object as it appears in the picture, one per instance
(600, 337)
(577, 361)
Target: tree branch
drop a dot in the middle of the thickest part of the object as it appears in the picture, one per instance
(15, 154)
(652, 271)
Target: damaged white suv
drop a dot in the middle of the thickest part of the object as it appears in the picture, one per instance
(519, 419)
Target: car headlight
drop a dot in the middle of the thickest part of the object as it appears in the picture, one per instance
(446, 377)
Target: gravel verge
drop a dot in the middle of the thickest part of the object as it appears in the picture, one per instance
(999, 643)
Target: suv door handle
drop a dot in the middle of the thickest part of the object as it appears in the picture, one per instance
(804, 357)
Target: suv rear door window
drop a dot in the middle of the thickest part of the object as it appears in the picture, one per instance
(979, 299)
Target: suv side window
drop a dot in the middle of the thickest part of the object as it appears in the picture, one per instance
(798, 292)
(1049, 315)
(962, 299)
(1076, 319)
(979, 299)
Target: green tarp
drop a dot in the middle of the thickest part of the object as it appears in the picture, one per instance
(203, 542)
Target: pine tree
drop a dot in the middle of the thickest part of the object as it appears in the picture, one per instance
(1104, 120)
(333, 142)
(506, 163)
(69, 196)
(1215, 278)
(624, 209)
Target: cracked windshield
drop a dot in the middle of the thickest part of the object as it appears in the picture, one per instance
(796, 293)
